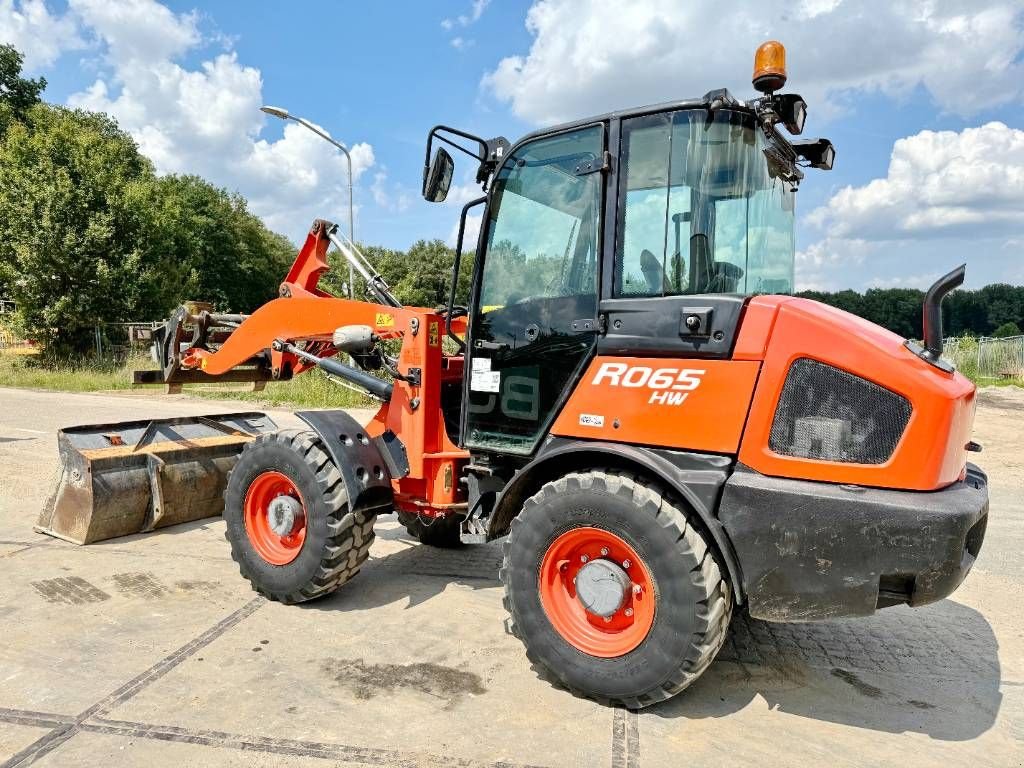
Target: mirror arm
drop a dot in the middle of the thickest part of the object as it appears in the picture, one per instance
(455, 270)
(434, 133)
(459, 147)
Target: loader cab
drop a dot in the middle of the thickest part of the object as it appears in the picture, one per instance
(602, 235)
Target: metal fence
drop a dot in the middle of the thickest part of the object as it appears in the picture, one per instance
(117, 341)
(9, 337)
(986, 358)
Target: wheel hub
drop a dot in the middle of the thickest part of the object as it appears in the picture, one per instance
(283, 513)
(275, 517)
(602, 586)
(597, 592)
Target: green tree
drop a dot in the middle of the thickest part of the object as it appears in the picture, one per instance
(17, 94)
(75, 207)
(217, 250)
(1006, 330)
(419, 277)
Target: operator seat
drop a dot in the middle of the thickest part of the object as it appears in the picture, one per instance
(654, 274)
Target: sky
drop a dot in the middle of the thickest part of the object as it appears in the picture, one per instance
(923, 99)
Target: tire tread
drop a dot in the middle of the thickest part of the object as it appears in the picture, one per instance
(717, 604)
(350, 532)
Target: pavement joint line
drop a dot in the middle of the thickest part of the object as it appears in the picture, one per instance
(326, 751)
(38, 719)
(625, 739)
(89, 549)
(221, 739)
(64, 731)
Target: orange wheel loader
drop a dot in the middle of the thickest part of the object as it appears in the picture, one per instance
(629, 398)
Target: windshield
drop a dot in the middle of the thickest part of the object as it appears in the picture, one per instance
(542, 238)
(699, 209)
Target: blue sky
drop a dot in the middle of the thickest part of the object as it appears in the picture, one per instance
(923, 101)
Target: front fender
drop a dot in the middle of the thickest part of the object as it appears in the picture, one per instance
(367, 465)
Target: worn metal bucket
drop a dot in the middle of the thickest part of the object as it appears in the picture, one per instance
(136, 476)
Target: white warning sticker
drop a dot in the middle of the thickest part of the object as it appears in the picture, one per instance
(481, 363)
(485, 381)
(591, 420)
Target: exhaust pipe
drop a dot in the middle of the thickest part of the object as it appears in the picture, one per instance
(931, 319)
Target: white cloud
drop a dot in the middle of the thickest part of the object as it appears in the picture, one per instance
(472, 233)
(920, 282)
(947, 197)
(590, 56)
(39, 35)
(393, 198)
(476, 10)
(464, 20)
(938, 184)
(206, 120)
(822, 265)
(138, 30)
(460, 194)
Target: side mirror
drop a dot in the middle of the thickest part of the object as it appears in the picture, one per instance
(438, 178)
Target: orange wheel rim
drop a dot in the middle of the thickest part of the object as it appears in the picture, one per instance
(605, 636)
(275, 518)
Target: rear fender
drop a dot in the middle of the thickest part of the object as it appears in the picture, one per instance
(697, 478)
(367, 464)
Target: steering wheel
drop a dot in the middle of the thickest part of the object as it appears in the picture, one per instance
(457, 311)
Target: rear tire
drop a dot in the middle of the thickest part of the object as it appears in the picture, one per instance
(437, 532)
(335, 540)
(632, 659)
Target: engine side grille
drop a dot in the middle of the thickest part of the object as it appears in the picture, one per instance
(826, 413)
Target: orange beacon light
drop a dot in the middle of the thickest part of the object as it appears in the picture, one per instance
(769, 67)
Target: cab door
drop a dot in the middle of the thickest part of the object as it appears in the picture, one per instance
(533, 324)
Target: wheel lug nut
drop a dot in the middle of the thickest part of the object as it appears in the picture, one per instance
(626, 564)
(629, 611)
(637, 589)
(607, 619)
(604, 551)
(584, 558)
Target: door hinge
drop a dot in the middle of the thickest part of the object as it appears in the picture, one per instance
(592, 166)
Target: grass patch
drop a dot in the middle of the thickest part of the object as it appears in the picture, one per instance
(309, 390)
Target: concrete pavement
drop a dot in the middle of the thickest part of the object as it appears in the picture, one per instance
(151, 650)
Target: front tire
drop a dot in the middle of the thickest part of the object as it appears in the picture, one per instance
(289, 524)
(664, 620)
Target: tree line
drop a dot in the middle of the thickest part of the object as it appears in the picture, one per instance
(995, 310)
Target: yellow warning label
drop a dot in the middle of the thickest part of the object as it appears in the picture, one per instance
(384, 320)
(433, 335)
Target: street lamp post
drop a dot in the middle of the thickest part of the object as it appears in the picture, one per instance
(284, 114)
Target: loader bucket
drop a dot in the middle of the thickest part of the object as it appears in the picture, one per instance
(136, 476)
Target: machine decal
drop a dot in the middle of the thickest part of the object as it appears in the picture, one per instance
(687, 403)
(671, 385)
(433, 334)
(384, 320)
(591, 420)
(485, 381)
